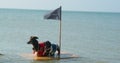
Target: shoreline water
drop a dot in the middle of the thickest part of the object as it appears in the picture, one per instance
(92, 36)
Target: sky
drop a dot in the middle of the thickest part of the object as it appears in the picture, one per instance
(67, 5)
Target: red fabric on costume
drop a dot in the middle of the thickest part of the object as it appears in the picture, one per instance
(41, 51)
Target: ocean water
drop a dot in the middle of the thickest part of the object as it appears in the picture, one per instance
(93, 36)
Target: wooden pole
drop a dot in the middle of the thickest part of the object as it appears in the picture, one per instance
(60, 31)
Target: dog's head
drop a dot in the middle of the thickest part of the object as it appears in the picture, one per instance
(48, 44)
(32, 39)
(34, 42)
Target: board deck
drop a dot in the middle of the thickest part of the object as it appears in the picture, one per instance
(64, 55)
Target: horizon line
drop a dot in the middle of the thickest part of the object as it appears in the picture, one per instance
(62, 10)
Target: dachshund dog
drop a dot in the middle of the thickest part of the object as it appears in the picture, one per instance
(53, 49)
(37, 47)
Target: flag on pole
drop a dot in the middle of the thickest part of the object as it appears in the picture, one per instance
(55, 15)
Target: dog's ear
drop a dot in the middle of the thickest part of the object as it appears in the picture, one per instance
(33, 37)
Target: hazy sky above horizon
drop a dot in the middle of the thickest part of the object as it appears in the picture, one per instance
(71, 5)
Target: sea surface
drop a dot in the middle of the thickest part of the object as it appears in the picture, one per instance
(93, 36)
